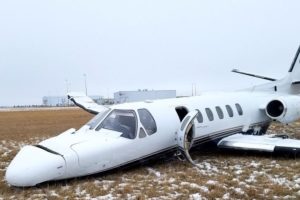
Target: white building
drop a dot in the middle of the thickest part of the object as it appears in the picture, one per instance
(142, 95)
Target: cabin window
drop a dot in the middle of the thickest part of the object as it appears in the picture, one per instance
(147, 121)
(142, 133)
(199, 117)
(229, 110)
(220, 112)
(123, 121)
(239, 109)
(97, 119)
(210, 114)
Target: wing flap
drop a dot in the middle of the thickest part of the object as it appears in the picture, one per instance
(86, 103)
(267, 143)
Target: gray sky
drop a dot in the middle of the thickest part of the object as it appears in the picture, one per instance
(130, 45)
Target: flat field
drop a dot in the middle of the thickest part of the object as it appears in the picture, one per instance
(222, 175)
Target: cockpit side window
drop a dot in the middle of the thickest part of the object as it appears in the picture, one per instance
(97, 119)
(123, 121)
(147, 121)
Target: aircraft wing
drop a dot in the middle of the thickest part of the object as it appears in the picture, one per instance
(266, 143)
(86, 103)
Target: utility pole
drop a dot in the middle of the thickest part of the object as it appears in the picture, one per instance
(85, 84)
(67, 87)
(193, 89)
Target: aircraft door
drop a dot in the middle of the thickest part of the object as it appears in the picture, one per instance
(185, 134)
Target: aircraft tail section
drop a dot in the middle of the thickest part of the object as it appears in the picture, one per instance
(290, 84)
(294, 72)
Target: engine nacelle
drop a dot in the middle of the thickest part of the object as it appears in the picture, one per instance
(284, 109)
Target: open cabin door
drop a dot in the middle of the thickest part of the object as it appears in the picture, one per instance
(185, 134)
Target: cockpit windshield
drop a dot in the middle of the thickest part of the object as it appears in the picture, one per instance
(97, 119)
(123, 121)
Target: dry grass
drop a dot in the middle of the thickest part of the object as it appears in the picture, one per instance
(22, 125)
(221, 175)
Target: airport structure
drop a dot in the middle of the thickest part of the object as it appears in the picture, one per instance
(142, 95)
(63, 100)
(119, 97)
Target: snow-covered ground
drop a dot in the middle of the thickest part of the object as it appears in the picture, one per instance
(218, 176)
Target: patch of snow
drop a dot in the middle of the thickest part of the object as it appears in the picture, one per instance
(211, 182)
(39, 196)
(266, 191)
(97, 182)
(171, 180)
(152, 171)
(196, 196)
(277, 166)
(261, 173)
(204, 189)
(289, 197)
(207, 165)
(105, 197)
(129, 197)
(251, 179)
(244, 184)
(235, 179)
(79, 192)
(123, 184)
(206, 168)
(53, 193)
(175, 196)
(194, 185)
(279, 181)
(226, 196)
(254, 164)
(66, 187)
(107, 184)
(237, 167)
(174, 186)
(296, 186)
(184, 183)
(239, 191)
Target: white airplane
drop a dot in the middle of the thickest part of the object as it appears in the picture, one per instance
(126, 133)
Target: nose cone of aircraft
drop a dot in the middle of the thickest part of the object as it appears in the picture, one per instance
(33, 165)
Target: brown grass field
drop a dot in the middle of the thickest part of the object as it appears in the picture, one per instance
(222, 175)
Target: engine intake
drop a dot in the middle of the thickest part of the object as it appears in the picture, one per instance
(275, 109)
(284, 109)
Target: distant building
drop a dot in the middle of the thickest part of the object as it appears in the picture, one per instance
(63, 100)
(142, 95)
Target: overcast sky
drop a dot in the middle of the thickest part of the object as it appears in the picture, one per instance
(130, 45)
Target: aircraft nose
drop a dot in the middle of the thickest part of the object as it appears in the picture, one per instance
(33, 165)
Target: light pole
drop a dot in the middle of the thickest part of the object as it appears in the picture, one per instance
(67, 86)
(85, 84)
